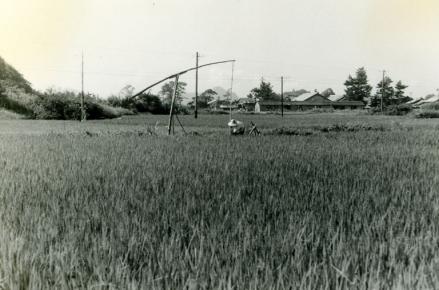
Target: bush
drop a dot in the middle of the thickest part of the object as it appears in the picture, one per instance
(291, 131)
(15, 99)
(66, 106)
(398, 110)
(56, 107)
(145, 103)
(427, 114)
(431, 106)
(124, 102)
(14, 106)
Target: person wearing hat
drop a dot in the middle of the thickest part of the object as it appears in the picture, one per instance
(236, 127)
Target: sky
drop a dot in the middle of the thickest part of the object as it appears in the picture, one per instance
(314, 44)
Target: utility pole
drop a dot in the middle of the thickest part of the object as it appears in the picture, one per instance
(196, 86)
(282, 96)
(231, 90)
(83, 117)
(171, 112)
(382, 90)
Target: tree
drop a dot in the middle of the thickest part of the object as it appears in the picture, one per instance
(149, 103)
(328, 92)
(386, 86)
(168, 90)
(126, 92)
(358, 88)
(207, 96)
(264, 92)
(400, 97)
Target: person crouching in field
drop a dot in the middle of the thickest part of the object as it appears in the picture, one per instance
(236, 127)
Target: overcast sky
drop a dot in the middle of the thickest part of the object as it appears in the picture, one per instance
(316, 44)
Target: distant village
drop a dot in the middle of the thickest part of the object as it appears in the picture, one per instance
(357, 96)
(305, 101)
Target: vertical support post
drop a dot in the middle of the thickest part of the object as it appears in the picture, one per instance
(231, 91)
(382, 91)
(83, 116)
(171, 111)
(196, 86)
(282, 96)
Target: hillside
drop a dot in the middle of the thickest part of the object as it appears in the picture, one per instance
(15, 92)
(19, 100)
(9, 76)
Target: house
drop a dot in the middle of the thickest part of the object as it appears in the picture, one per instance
(247, 104)
(309, 101)
(336, 98)
(426, 100)
(341, 105)
(341, 102)
(274, 105)
(222, 105)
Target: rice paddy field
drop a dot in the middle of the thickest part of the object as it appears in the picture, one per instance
(319, 201)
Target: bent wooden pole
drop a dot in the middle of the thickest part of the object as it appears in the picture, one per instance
(171, 111)
(178, 74)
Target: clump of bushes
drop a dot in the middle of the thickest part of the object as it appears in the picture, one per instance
(66, 105)
(349, 127)
(431, 106)
(14, 106)
(428, 111)
(326, 129)
(399, 110)
(145, 103)
(292, 131)
(393, 110)
(427, 114)
(15, 99)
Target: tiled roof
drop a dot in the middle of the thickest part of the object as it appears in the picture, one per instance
(335, 98)
(304, 97)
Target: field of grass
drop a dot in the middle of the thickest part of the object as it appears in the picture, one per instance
(106, 205)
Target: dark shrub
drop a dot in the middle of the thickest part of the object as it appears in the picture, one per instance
(398, 110)
(431, 106)
(14, 106)
(145, 103)
(66, 106)
(427, 114)
(56, 106)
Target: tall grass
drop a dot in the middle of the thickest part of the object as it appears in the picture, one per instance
(337, 210)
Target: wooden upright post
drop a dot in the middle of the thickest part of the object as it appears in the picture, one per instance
(171, 112)
(382, 91)
(231, 91)
(83, 116)
(282, 96)
(196, 86)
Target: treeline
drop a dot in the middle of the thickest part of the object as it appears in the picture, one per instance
(151, 103)
(55, 104)
(17, 95)
(386, 95)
